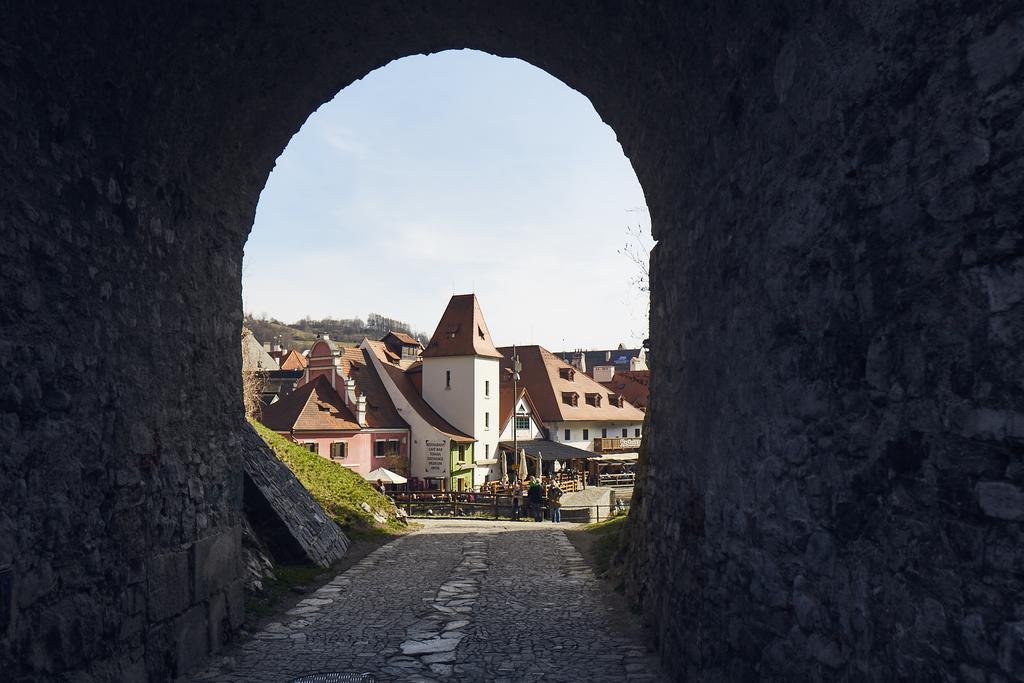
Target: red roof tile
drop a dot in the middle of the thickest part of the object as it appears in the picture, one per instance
(408, 390)
(541, 376)
(380, 411)
(402, 338)
(632, 385)
(293, 360)
(462, 331)
(315, 406)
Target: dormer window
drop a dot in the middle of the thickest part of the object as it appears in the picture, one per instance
(615, 400)
(567, 373)
(570, 398)
(594, 400)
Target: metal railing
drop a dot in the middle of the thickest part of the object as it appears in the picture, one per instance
(490, 506)
(621, 479)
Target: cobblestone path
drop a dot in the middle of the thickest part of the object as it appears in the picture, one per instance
(457, 601)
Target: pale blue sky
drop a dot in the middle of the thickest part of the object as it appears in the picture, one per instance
(454, 172)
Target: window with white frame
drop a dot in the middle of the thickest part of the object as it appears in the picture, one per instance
(487, 420)
(636, 432)
(487, 388)
(625, 432)
(522, 423)
(339, 450)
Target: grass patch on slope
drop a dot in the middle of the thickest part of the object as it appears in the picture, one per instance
(338, 489)
(608, 536)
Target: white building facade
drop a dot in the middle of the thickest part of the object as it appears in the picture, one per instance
(460, 380)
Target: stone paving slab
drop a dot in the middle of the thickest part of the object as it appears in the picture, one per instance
(456, 601)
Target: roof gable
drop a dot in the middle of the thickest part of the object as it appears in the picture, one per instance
(315, 406)
(461, 331)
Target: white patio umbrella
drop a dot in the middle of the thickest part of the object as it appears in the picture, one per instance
(504, 467)
(524, 470)
(386, 476)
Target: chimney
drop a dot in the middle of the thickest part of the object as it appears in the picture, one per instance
(604, 373)
(266, 346)
(579, 361)
(361, 411)
(350, 391)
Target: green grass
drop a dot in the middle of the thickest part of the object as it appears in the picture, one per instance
(609, 537)
(286, 577)
(338, 489)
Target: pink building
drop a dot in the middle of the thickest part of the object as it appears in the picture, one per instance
(341, 410)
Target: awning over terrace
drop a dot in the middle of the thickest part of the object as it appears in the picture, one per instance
(549, 450)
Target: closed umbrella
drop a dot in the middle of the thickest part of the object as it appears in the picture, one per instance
(524, 471)
(504, 467)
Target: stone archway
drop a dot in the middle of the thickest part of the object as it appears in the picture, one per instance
(836, 309)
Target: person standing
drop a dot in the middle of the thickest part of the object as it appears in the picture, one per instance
(555, 502)
(517, 501)
(535, 496)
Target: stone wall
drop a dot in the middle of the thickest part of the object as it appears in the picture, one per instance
(834, 475)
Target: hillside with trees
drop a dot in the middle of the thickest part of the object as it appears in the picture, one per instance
(300, 335)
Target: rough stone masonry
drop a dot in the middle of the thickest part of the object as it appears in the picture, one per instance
(834, 488)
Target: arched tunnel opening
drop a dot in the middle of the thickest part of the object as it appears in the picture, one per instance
(833, 484)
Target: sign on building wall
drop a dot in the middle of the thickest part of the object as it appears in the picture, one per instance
(437, 455)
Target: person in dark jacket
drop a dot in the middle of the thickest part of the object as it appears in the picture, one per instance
(555, 502)
(535, 497)
(517, 501)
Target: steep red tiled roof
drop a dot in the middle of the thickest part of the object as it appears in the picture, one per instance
(541, 376)
(408, 390)
(380, 411)
(402, 338)
(632, 385)
(293, 360)
(462, 331)
(315, 406)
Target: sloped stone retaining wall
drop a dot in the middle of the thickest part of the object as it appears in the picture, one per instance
(283, 513)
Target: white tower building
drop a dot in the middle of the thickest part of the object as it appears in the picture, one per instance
(460, 380)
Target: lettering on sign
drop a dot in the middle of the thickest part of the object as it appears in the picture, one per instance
(436, 456)
(629, 443)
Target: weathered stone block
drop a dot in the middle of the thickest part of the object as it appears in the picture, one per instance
(216, 562)
(236, 603)
(191, 639)
(217, 620)
(168, 589)
(1011, 650)
(1001, 500)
